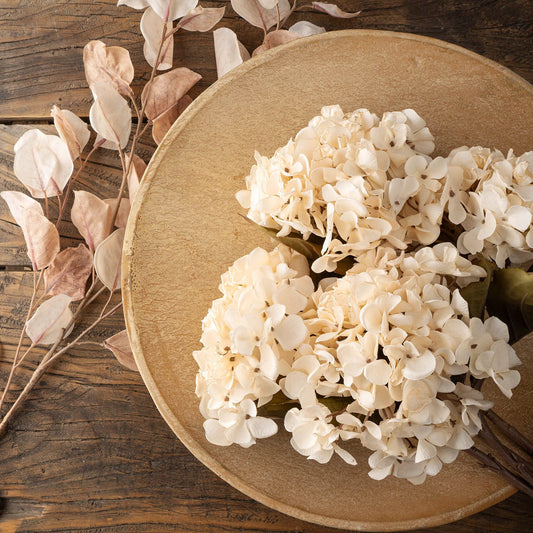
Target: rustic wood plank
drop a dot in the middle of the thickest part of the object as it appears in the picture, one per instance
(102, 177)
(41, 42)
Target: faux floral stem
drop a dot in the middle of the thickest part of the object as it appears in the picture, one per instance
(47, 360)
(36, 285)
(511, 432)
(494, 465)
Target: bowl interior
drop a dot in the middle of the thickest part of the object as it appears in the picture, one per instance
(186, 229)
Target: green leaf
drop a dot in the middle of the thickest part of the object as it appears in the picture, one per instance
(510, 298)
(476, 293)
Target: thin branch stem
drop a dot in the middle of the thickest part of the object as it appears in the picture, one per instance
(36, 285)
(511, 432)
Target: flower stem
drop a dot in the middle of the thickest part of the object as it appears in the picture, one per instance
(514, 435)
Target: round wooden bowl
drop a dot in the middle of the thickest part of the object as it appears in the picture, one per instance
(185, 230)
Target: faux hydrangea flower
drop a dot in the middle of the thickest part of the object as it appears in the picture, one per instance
(343, 179)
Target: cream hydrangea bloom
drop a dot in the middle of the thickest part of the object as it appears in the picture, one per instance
(343, 179)
(249, 338)
(491, 196)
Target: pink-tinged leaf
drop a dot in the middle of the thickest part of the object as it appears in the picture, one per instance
(69, 272)
(42, 163)
(164, 122)
(152, 27)
(135, 4)
(254, 13)
(333, 10)
(123, 211)
(202, 18)
(18, 202)
(108, 64)
(41, 236)
(50, 321)
(305, 28)
(275, 38)
(268, 4)
(172, 9)
(119, 344)
(229, 52)
(92, 218)
(110, 114)
(164, 92)
(108, 258)
(72, 130)
(135, 175)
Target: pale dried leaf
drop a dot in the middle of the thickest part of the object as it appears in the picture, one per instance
(92, 218)
(165, 90)
(229, 52)
(172, 9)
(123, 211)
(202, 18)
(334, 10)
(72, 130)
(42, 163)
(135, 175)
(255, 14)
(18, 202)
(108, 258)
(119, 344)
(152, 27)
(69, 272)
(269, 4)
(108, 64)
(305, 28)
(165, 121)
(50, 320)
(110, 114)
(275, 38)
(42, 238)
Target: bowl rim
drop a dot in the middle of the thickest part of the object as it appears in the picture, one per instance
(127, 264)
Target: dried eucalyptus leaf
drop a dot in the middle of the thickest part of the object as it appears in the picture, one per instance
(275, 38)
(164, 122)
(123, 211)
(108, 258)
(305, 28)
(202, 18)
(510, 298)
(69, 272)
(42, 163)
(108, 64)
(152, 27)
(119, 344)
(334, 10)
(255, 14)
(72, 130)
(229, 52)
(92, 218)
(18, 202)
(135, 175)
(49, 321)
(164, 92)
(110, 114)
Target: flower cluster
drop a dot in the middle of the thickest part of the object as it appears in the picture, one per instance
(390, 343)
(354, 182)
(342, 179)
(491, 196)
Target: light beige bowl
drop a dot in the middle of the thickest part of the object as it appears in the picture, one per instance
(185, 230)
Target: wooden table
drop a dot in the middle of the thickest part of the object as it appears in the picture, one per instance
(89, 451)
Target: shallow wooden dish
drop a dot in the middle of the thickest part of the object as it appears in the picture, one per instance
(185, 230)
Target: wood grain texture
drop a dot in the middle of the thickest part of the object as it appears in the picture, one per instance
(41, 41)
(90, 452)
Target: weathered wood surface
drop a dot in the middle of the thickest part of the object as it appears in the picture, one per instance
(89, 452)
